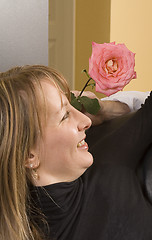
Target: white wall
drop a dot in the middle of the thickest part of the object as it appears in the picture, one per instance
(23, 32)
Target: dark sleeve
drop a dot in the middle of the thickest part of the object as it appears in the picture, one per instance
(123, 140)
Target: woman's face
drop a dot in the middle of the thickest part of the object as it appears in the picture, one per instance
(62, 152)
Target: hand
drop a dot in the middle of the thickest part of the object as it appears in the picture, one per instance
(108, 110)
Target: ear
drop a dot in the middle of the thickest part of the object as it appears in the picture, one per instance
(33, 161)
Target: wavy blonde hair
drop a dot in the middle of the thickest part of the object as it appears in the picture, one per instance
(20, 123)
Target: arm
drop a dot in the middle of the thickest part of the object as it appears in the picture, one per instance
(109, 109)
(124, 140)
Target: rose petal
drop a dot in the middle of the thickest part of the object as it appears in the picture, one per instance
(107, 80)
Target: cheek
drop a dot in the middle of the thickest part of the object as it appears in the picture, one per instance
(60, 143)
(67, 137)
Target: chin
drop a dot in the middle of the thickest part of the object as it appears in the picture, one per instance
(89, 160)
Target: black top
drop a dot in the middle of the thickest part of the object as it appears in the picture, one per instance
(107, 201)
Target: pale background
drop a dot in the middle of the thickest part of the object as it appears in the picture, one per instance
(23, 33)
(131, 22)
(60, 33)
(77, 23)
(123, 21)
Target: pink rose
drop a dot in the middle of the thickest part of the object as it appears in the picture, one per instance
(111, 66)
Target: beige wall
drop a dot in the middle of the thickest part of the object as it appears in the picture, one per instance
(92, 23)
(131, 23)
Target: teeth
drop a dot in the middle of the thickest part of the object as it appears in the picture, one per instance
(80, 144)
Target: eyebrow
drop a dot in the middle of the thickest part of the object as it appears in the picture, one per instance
(64, 104)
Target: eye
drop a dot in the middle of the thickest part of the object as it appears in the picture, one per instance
(66, 115)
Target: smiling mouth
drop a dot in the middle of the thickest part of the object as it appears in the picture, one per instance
(82, 144)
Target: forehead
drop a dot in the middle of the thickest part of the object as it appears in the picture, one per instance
(54, 98)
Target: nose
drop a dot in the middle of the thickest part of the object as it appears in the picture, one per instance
(84, 122)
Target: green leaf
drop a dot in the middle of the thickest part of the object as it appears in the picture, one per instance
(75, 102)
(91, 105)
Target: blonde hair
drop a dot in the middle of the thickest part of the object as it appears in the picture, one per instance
(19, 127)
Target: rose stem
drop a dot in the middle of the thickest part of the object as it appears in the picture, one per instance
(85, 86)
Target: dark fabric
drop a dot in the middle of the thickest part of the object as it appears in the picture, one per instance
(146, 174)
(107, 202)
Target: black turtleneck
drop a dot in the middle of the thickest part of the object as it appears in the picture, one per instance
(61, 204)
(106, 202)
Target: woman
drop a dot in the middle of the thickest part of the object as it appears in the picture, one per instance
(49, 190)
